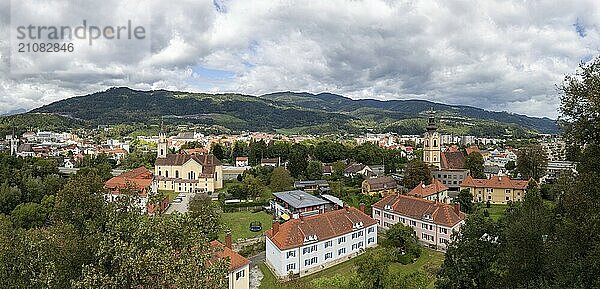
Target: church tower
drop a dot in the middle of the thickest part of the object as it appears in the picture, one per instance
(14, 142)
(431, 143)
(162, 148)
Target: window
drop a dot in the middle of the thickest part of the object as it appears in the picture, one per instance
(290, 267)
(424, 226)
(386, 224)
(507, 198)
(341, 251)
(403, 220)
(371, 230)
(239, 274)
(341, 239)
(176, 174)
(328, 244)
(290, 254)
(159, 173)
(413, 223)
(328, 255)
(307, 250)
(167, 174)
(507, 191)
(371, 240)
(489, 197)
(443, 241)
(443, 230)
(377, 213)
(310, 261)
(357, 234)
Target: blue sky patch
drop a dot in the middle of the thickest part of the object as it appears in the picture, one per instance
(212, 74)
(580, 28)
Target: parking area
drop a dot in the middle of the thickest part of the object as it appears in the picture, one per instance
(180, 206)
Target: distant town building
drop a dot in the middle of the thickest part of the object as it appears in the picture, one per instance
(312, 186)
(139, 179)
(296, 203)
(273, 162)
(356, 169)
(309, 244)
(432, 221)
(241, 161)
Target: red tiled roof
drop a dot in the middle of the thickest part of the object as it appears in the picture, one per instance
(453, 160)
(241, 158)
(236, 260)
(472, 149)
(140, 177)
(416, 208)
(498, 182)
(423, 190)
(195, 151)
(325, 226)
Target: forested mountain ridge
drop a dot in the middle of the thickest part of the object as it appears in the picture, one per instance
(286, 112)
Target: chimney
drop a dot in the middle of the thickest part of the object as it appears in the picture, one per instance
(228, 240)
(275, 227)
(457, 208)
(361, 207)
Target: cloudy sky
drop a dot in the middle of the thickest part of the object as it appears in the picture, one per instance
(497, 55)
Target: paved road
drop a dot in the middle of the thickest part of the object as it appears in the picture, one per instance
(257, 259)
(180, 207)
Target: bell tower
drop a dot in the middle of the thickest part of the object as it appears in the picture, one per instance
(162, 148)
(431, 142)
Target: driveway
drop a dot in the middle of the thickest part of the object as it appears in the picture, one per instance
(180, 207)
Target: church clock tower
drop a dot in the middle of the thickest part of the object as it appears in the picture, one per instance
(162, 148)
(431, 143)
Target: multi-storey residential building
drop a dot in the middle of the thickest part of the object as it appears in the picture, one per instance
(310, 244)
(238, 276)
(496, 190)
(432, 221)
(186, 173)
(436, 191)
(380, 186)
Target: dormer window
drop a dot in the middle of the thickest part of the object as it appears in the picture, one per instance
(310, 238)
(357, 225)
(387, 207)
(427, 217)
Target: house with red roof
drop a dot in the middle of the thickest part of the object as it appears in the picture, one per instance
(239, 267)
(309, 244)
(496, 190)
(139, 179)
(436, 191)
(432, 221)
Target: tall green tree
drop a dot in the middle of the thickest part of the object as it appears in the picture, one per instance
(415, 172)
(474, 163)
(298, 160)
(465, 199)
(402, 243)
(532, 161)
(218, 151)
(281, 180)
(314, 170)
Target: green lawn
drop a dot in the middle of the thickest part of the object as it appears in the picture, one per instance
(496, 210)
(239, 223)
(429, 262)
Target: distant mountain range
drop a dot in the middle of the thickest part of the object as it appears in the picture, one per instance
(286, 112)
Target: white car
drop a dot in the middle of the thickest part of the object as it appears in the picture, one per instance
(178, 200)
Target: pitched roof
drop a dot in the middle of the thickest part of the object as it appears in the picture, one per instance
(472, 149)
(300, 199)
(180, 159)
(354, 168)
(423, 190)
(292, 233)
(453, 160)
(382, 183)
(497, 182)
(140, 177)
(236, 260)
(417, 208)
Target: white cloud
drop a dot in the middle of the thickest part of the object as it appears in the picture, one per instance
(499, 55)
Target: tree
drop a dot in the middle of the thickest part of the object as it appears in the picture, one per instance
(338, 168)
(281, 180)
(415, 172)
(10, 197)
(298, 160)
(314, 170)
(510, 165)
(471, 258)
(474, 164)
(203, 209)
(465, 199)
(28, 215)
(402, 243)
(532, 161)
(372, 270)
(218, 151)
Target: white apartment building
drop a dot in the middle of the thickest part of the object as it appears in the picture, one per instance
(309, 244)
(432, 221)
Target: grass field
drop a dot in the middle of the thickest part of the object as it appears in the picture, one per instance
(496, 211)
(239, 223)
(429, 262)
